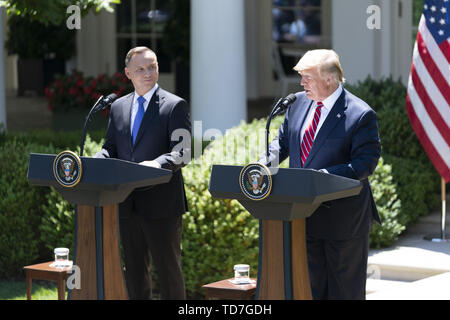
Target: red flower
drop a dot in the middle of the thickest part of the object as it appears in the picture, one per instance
(73, 91)
(87, 90)
(80, 82)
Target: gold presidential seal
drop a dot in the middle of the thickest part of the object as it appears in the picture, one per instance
(67, 169)
(255, 181)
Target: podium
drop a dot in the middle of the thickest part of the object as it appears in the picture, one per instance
(296, 194)
(104, 183)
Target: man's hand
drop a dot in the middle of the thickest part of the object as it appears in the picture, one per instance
(151, 163)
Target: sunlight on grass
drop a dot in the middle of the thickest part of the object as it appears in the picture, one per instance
(17, 290)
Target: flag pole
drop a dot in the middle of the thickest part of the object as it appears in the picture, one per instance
(443, 235)
(443, 198)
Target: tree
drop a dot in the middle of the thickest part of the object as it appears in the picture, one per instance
(53, 11)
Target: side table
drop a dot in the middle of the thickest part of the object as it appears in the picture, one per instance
(43, 271)
(224, 289)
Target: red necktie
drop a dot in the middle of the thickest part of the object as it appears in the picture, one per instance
(308, 137)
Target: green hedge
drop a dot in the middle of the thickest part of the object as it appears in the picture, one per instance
(59, 140)
(389, 205)
(20, 208)
(33, 220)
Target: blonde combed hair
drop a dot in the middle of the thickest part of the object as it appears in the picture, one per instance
(327, 62)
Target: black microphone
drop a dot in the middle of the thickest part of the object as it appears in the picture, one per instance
(279, 107)
(282, 106)
(105, 102)
(100, 104)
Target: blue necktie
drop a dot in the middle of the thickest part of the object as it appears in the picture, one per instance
(138, 119)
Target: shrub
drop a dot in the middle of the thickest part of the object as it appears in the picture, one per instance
(388, 204)
(32, 219)
(416, 187)
(68, 140)
(20, 209)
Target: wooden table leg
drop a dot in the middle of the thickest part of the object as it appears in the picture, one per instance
(28, 285)
(61, 288)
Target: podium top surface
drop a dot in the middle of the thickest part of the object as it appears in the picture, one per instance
(98, 173)
(290, 185)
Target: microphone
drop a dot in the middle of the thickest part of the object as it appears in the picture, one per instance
(101, 104)
(105, 102)
(281, 105)
(286, 102)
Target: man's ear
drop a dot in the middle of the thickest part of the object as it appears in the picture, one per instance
(127, 73)
(329, 79)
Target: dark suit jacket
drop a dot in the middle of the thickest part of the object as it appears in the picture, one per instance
(347, 145)
(165, 113)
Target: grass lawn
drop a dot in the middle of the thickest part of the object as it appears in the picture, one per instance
(17, 290)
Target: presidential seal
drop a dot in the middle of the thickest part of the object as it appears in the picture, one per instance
(255, 181)
(67, 169)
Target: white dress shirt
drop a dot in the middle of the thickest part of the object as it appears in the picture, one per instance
(328, 103)
(134, 108)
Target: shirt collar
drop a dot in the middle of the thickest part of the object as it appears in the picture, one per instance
(148, 96)
(329, 102)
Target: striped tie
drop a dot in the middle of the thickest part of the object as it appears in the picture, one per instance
(308, 137)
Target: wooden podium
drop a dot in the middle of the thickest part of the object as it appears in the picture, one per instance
(104, 183)
(296, 194)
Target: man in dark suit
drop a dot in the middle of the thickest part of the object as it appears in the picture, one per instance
(331, 130)
(151, 126)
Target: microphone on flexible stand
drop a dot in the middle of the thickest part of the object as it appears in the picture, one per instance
(101, 104)
(281, 106)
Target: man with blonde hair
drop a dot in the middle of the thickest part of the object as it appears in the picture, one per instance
(329, 129)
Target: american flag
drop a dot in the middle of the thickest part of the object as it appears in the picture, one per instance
(428, 94)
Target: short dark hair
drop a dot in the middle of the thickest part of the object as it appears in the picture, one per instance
(134, 51)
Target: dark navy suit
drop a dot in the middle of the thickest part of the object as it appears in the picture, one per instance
(150, 218)
(347, 145)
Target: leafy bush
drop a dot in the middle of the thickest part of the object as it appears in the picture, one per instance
(32, 219)
(33, 39)
(69, 140)
(20, 208)
(416, 187)
(388, 204)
